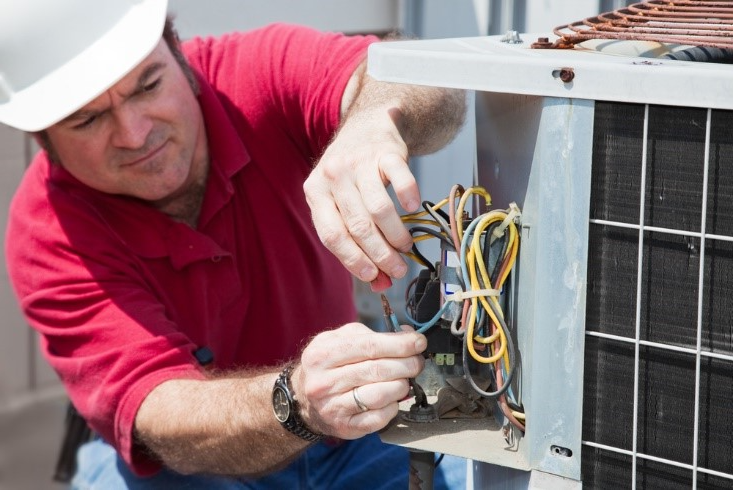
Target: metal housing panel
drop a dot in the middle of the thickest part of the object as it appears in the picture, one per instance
(537, 151)
(550, 310)
(487, 64)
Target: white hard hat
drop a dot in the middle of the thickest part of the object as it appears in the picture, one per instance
(56, 56)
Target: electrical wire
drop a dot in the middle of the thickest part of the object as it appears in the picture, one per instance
(430, 233)
(440, 217)
(469, 377)
(480, 323)
(425, 326)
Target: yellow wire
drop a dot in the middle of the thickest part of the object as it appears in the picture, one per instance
(474, 285)
(476, 267)
(420, 214)
(462, 204)
(416, 221)
(415, 258)
(474, 263)
(487, 220)
(422, 238)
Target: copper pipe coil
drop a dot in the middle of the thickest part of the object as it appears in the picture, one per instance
(687, 22)
(647, 29)
(687, 17)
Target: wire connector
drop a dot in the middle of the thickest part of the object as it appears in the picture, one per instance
(513, 214)
(474, 293)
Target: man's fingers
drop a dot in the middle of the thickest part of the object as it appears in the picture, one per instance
(379, 395)
(374, 225)
(396, 171)
(333, 233)
(377, 404)
(375, 371)
(379, 204)
(355, 342)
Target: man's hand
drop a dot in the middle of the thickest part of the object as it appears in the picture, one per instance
(382, 125)
(351, 209)
(339, 361)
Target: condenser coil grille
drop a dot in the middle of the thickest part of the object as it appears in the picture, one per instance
(658, 382)
(688, 22)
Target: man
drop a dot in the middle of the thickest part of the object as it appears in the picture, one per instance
(162, 244)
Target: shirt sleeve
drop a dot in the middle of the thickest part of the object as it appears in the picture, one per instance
(294, 74)
(102, 329)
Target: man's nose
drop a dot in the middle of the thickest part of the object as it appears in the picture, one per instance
(132, 127)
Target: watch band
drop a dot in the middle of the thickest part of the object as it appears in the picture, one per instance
(294, 424)
(300, 430)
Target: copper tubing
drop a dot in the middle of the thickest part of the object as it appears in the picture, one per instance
(686, 22)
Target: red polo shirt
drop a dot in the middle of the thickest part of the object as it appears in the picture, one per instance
(123, 296)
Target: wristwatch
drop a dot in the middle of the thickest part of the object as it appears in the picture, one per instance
(286, 408)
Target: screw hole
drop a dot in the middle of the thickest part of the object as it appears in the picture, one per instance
(561, 451)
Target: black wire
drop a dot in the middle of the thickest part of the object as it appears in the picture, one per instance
(410, 297)
(433, 233)
(436, 234)
(440, 458)
(482, 322)
(486, 247)
(419, 255)
(514, 406)
(429, 207)
(494, 271)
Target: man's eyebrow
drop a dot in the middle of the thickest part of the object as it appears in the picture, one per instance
(142, 80)
(80, 114)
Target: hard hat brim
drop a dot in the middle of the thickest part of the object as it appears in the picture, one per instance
(79, 81)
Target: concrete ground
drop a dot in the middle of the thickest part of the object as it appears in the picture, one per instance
(30, 437)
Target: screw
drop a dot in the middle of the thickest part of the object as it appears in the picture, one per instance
(512, 37)
(567, 74)
(542, 43)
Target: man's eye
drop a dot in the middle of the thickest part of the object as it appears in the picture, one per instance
(151, 86)
(86, 122)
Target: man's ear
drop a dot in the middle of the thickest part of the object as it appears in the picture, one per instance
(43, 140)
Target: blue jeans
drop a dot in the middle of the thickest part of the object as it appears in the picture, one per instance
(366, 463)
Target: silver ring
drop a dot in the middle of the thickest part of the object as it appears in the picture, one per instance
(359, 403)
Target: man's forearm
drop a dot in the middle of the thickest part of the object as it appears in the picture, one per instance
(219, 426)
(427, 117)
(226, 425)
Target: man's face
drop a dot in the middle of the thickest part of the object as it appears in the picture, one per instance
(144, 137)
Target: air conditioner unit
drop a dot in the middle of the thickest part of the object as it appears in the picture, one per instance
(622, 165)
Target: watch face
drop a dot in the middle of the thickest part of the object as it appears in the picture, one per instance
(280, 404)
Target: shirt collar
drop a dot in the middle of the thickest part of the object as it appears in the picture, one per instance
(226, 151)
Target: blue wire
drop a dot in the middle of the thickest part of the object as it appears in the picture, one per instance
(394, 323)
(464, 267)
(464, 250)
(424, 327)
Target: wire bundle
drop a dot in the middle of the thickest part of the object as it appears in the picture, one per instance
(480, 322)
